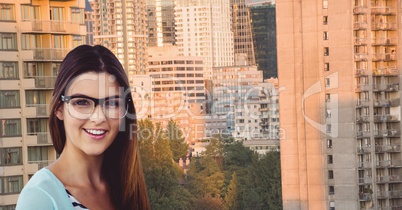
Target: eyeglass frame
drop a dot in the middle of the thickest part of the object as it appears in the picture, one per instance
(97, 101)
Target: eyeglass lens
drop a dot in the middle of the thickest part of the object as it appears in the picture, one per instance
(82, 108)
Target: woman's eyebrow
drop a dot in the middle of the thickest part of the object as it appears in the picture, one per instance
(77, 95)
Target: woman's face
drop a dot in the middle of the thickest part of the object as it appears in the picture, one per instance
(86, 133)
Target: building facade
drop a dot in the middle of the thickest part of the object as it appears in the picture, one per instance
(204, 28)
(340, 105)
(121, 26)
(264, 37)
(35, 37)
(242, 33)
(160, 22)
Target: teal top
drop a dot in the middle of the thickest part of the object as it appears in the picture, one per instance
(44, 191)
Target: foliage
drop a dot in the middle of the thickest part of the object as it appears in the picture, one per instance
(178, 145)
(231, 194)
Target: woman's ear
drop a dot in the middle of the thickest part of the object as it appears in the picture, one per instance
(59, 112)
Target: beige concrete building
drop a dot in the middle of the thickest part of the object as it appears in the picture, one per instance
(120, 25)
(35, 35)
(340, 112)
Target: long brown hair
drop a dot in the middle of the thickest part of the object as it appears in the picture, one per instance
(121, 164)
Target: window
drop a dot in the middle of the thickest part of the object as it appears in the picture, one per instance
(326, 51)
(10, 156)
(8, 207)
(36, 126)
(8, 70)
(327, 97)
(38, 153)
(325, 20)
(330, 159)
(326, 66)
(30, 12)
(325, 4)
(10, 127)
(7, 12)
(10, 185)
(326, 35)
(330, 174)
(77, 15)
(327, 82)
(8, 41)
(9, 99)
(329, 143)
(331, 190)
(329, 128)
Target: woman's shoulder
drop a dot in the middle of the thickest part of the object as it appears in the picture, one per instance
(43, 191)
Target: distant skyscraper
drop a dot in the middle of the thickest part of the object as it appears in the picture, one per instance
(120, 25)
(89, 22)
(241, 27)
(340, 108)
(160, 22)
(203, 28)
(264, 38)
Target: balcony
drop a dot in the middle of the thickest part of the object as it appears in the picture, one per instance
(360, 10)
(361, 56)
(386, 118)
(360, 88)
(39, 82)
(365, 197)
(391, 133)
(389, 194)
(387, 103)
(389, 164)
(263, 109)
(41, 163)
(384, 57)
(360, 25)
(361, 72)
(388, 179)
(361, 119)
(37, 110)
(39, 138)
(391, 71)
(362, 103)
(363, 150)
(383, 26)
(388, 148)
(363, 134)
(384, 41)
(386, 87)
(383, 11)
(50, 26)
(360, 41)
(364, 181)
(50, 54)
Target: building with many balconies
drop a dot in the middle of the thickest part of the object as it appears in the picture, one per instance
(339, 66)
(35, 36)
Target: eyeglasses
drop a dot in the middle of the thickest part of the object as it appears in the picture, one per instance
(82, 107)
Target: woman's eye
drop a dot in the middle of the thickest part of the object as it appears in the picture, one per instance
(112, 103)
(82, 102)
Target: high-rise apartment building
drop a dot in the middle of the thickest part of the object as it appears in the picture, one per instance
(264, 38)
(120, 25)
(340, 107)
(35, 36)
(204, 28)
(242, 33)
(172, 89)
(160, 22)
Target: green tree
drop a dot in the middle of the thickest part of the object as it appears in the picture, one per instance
(178, 145)
(231, 197)
(162, 174)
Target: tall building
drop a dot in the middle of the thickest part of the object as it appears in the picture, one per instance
(120, 25)
(203, 28)
(241, 27)
(172, 89)
(160, 22)
(35, 36)
(264, 38)
(340, 107)
(89, 23)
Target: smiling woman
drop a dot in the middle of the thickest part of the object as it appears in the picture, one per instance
(91, 128)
